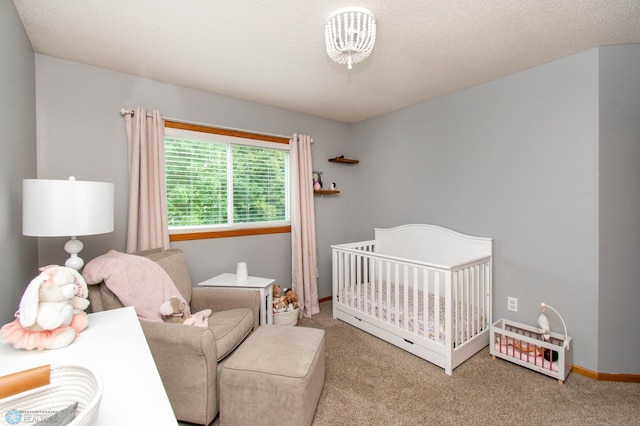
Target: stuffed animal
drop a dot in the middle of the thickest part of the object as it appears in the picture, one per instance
(277, 291)
(51, 312)
(280, 305)
(175, 311)
(292, 299)
(284, 300)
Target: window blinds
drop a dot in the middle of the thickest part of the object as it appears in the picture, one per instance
(213, 184)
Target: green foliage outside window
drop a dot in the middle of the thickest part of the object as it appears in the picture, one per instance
(259, 184)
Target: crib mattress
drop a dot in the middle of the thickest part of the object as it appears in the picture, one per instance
(381, 304)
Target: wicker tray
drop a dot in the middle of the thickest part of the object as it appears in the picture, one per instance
(68, 385)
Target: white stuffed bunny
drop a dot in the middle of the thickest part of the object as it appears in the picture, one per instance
(51, 298)
(51, 312)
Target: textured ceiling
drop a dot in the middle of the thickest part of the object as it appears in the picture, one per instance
(272, 52)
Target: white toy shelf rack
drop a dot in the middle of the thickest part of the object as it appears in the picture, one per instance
(524, 345)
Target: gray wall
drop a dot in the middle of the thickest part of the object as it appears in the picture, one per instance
(18, 262)
(81, 133)
(516, 160)
(619, 292)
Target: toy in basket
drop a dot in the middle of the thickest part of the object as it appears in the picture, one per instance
(71, 396)
(285, 306)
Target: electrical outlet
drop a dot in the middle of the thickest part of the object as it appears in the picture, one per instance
(512, 303)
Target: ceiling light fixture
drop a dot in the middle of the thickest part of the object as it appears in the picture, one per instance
(350, 34)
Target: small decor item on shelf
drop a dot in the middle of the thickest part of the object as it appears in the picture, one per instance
(51, 312)
(317, 181)
(333, 186)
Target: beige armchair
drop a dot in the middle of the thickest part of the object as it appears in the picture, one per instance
(189, 358)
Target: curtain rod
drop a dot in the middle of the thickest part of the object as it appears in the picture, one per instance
(124, 111)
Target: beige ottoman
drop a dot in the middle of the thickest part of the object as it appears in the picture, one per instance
(275, 377)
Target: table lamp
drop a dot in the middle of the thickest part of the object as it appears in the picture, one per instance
(67, 208)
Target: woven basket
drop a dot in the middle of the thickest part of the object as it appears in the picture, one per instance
(68, 385)
(286, 318)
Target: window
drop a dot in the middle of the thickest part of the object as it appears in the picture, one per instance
(222, 183)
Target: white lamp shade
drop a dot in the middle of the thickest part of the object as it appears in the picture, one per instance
(59, 208)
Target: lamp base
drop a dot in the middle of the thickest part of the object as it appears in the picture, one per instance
(73, 247)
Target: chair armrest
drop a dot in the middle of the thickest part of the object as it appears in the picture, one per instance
(183, 340)
(222, 299)
(192, 386)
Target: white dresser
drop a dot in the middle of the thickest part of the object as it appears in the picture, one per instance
(114, 346)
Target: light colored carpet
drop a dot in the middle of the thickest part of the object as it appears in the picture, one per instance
(370, 382)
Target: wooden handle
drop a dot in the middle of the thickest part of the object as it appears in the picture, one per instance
(21, 381)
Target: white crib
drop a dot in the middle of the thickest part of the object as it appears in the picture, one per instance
(423, 288)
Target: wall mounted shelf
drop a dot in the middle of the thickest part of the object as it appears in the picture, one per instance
(326, 191)
(343, 160)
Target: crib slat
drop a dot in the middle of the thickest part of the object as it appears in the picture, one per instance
(379, 313)
(388, 290)
(396, 284)
(340, 275)
(352, 280)
(473, 303)
(368, 285)
(478, 300)
(416, 302)
(425, 303)
(449, 316)
(454, 308)
(358, 281)
(435, 308)
(368, 289)
(469, 316)
(481, 303)
(470, 304)
(469, 313)
(460, 306)
(404, 314)
(464, 307)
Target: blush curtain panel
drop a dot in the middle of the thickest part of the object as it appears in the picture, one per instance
(304, 262)
(147, 227)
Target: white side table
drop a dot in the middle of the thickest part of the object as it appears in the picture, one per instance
(264, 285)
(114, 346)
